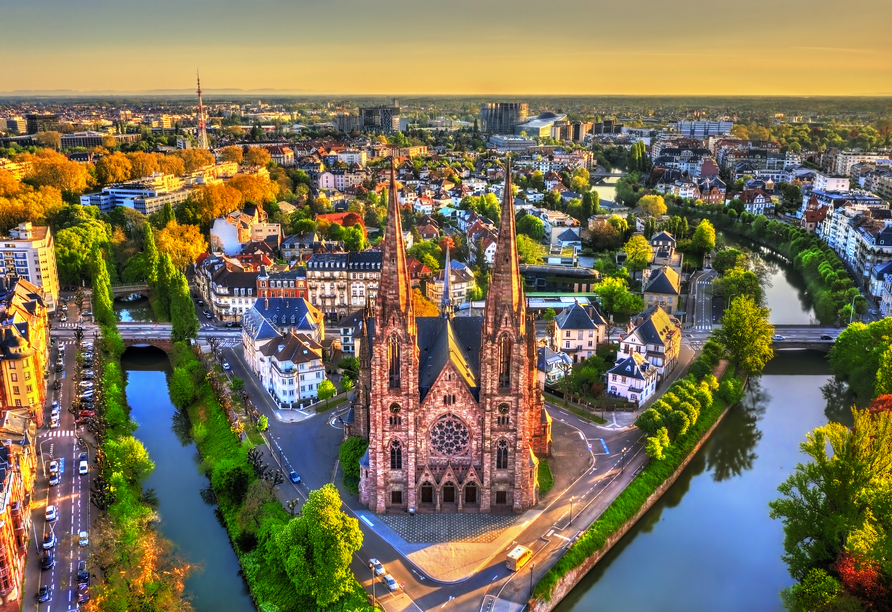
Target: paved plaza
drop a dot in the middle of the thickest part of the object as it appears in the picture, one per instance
(441, 528)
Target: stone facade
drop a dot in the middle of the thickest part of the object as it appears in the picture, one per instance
(451, 407)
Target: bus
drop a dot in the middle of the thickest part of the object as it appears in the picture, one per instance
(518, 557)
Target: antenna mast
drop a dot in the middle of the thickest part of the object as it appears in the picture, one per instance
(202, 131)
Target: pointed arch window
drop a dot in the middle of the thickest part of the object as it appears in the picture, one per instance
(393, 361)
(504, 362)
(396, 455)
(502, 455)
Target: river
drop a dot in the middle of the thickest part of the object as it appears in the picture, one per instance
(708, 544)
(137, 310)
(185, 519)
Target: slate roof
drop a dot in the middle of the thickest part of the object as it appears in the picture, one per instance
(664, 281)
(663, 237)
(633, 366)
(546, 356)
(568, 235)
(656, 328)
(575, 317)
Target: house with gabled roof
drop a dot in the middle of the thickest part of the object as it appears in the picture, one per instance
(663, 289)
(633, 378)
(655, 335)
(578, 331)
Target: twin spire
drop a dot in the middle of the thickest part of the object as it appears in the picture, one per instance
(394, 289)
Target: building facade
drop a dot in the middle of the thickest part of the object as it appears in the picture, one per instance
(338, 283)
(29, 252)
(451, 406)
(23, 347)
(501, 117)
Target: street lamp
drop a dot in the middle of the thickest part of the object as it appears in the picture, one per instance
(532, 567)
(372, 568)
(623, 465)
(571, 509)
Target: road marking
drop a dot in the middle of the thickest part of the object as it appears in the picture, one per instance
(367, 521)
(603, 443)
(557, 535)
(580, 435)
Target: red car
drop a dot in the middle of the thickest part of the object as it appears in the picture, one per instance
(88, 413)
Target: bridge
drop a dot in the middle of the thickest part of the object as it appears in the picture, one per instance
(148, 334)
(118, 290)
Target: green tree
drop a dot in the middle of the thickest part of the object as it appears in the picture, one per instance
(703, 240)
(531, 226)
(739, 281)
(530, 251)
(164, 288)
(616, 298)
(182, 311)
(166, 215)
(746, 335)
(128, 456)
(230, 479)
(638, 253)
(150, 256)
(856, 356)
(182, 388)
(726, 259)
(103, 308)
(652, 205)
(316, 548)
(845, 488)
(326, 390)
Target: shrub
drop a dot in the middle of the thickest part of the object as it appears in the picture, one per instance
(351, 451)
(731, 390)
(230, 480)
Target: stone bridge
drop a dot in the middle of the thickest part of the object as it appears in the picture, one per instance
(147, 334)
(813, 345)
(119, 290)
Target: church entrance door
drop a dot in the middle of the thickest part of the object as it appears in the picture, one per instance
(449, 494)
(427, 494)
(471, 494)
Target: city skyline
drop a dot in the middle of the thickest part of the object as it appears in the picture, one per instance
(459, 48)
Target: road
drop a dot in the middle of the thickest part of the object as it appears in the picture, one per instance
(71, 496)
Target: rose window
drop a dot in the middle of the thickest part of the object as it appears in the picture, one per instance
(449, 436)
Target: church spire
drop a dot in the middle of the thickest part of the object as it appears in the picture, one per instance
(394, 289)
(446, 302)
(505, 296)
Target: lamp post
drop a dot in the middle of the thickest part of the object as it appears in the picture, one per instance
(372, 568)
(623, 465)
(571, 509)
(532, 567)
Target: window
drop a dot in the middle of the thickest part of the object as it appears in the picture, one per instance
(393, 361)
(396, 455)
(504, 361)
(396, 497)
(502, 418)
(15, 390)
(590, 343)
(567, 344)
(14, 377)
(567, 334)
(502, 455)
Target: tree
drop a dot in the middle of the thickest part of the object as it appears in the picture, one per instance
(638, 253)
(581, 181)
(51, 169)
(839, 493)
(142, 164)
(103, 309)
(739, 281)
(423, 306)
(605, 237)
(857, 356)
(256, 156)
(194, 159)
(151, 255)
(354, 238)
(74, 246)
(703, 240)
(166, 215)
(183, 243)
(326, 390)
(214, 201)
(171, 164)
(255, 189)
(52, 140)
(652, 205)
(315, 549)
(114, 168)
(746, 335)
(232, 154)
(616, 298)
(529, 251)
(182, 311)
(163, 293)
(128, 456)
(590, 202)
(181, 388)
(726, 259)
(531, 226)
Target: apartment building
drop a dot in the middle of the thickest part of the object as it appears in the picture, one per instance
(290, 368)
(228, 290)
(339, 283)
(148, 195)
(655, 335)
(24, 338)
(29, 253)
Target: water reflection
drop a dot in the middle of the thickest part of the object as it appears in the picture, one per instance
(733, 451)
(840, 400)
(135, 311)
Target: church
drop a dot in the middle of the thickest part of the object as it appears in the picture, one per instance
(450, 405)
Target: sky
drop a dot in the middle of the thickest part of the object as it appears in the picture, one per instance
(458, 47)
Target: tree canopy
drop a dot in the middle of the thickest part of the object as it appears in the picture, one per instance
(746, 335)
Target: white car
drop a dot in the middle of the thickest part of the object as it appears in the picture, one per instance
(777, 337)
(377, 567)
(54, 467)
(226, 365)
(51, 513)
(390, 582)
(83, 467)
(83, 538)
(54, 422)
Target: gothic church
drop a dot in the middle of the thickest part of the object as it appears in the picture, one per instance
(450, 405)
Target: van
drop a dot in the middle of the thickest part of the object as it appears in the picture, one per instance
(518, 557)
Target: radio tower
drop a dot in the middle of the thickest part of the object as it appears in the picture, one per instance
(202, 132)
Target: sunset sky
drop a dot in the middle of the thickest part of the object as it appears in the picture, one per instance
(771, 47)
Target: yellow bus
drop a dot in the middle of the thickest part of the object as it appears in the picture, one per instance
(518, 557)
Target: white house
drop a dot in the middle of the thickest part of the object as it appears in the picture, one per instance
(633, 378)
(291, 368)
(578, 331)
(551, 366)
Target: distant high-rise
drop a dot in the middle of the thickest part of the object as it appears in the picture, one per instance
(384, 119)
(202, 130)
(42, 123)
(501, 117)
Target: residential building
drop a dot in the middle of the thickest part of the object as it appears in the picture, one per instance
(339, 283)
(542, 278)
(655, 335)
(663, 289)
(551, 366)
(339, 180)
(830, 182)
(228, 290)
(35, 123)
(384, 119)
(285, 315)
(18, 469)
(633, 378)
(350, 327)
(285, 284)
(461, 282)
(290, 368)
(578, 331)
(24, 341)
(29, 253)
(148, 195)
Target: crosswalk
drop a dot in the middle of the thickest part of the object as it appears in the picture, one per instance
(231, 343)
(703, 327)
(67, 325)
(58, 433)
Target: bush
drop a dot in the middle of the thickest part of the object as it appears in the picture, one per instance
(351, 451)
(263, 423)
(181, 388)
(546, 478)
(731, 390)
(230, 480)
(246, 541)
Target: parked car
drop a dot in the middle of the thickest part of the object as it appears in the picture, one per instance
(49, 540)
(51, 513)
(82, 598)
(390, 582)
(826, 337)
(48, 560)
(54, 423)
(83, 538)
(83, 467)
(54, 467)
(87, 413)
(777, 337)
(82, 574)
(54, 480)
(43, 594)
(294, 477)
(57, 384)
(377, 567)
(873, 312)
(226, 365)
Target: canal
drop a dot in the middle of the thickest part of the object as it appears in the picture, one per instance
(708, 544)
(134, 310)
(185, 519)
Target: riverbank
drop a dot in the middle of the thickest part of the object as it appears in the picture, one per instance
(246, 504)
(647, 488)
